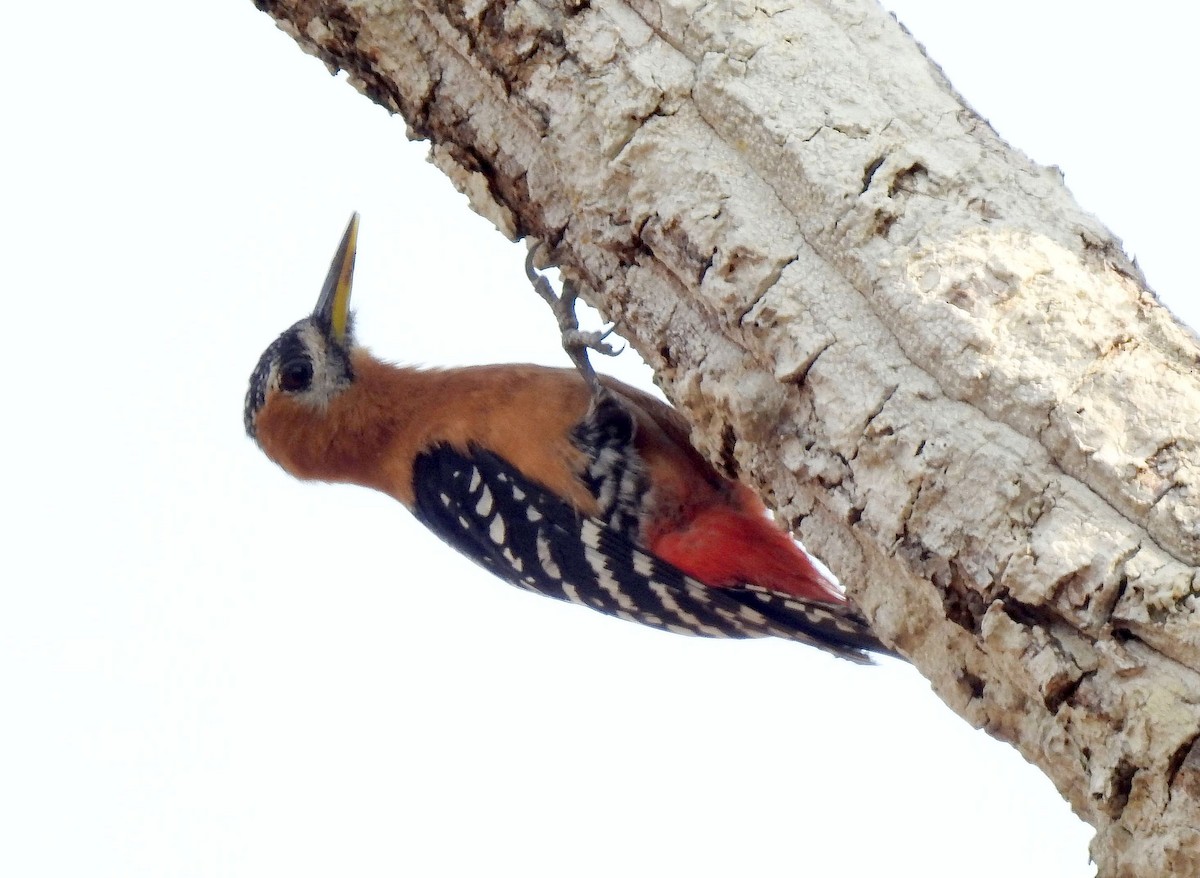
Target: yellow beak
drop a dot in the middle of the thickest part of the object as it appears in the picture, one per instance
(333, 308)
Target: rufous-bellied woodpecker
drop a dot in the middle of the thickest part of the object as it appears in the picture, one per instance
(560, 481)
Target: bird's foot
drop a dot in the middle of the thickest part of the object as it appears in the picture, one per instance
(575, 341)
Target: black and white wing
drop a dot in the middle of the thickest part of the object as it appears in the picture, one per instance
(488, 510)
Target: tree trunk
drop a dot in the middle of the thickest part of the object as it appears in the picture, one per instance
(947, 378)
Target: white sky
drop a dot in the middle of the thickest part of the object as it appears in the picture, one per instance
(208, 669)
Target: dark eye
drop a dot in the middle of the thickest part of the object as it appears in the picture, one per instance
(295, 375)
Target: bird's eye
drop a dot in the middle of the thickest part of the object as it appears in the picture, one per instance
(295, 375)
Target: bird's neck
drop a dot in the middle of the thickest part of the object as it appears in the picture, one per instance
(351, 438)
(371, 433)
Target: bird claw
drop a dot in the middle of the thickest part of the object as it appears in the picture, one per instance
(575, 341)
(593, 340)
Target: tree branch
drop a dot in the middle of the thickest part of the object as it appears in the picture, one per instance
(946, 376)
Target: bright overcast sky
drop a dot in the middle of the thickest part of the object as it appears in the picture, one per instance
(209, 669)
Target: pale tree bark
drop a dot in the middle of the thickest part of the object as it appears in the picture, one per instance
(947, 377)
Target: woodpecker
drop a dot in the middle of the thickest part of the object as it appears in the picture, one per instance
(560, 481)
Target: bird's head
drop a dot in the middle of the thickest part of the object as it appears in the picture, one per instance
(309, 364)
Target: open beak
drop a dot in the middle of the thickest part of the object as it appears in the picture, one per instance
(333, 308)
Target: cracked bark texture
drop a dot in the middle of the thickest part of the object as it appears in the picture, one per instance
(946, 377)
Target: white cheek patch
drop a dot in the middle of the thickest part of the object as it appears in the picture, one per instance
(329, 372)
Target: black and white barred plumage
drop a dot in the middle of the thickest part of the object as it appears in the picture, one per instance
(489, 511)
